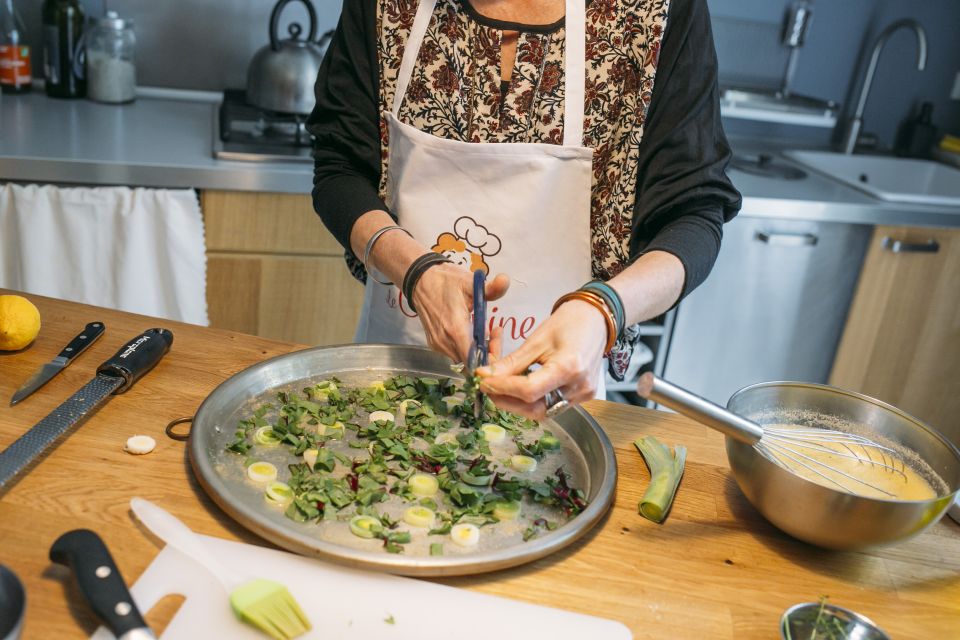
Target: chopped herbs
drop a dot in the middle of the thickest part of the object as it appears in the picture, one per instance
(408, 446)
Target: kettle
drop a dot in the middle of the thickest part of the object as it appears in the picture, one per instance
(282, 74)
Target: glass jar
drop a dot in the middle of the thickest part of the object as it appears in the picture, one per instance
(110, 53)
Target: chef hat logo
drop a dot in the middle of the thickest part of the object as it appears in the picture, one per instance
(469, 245)
(477, 236)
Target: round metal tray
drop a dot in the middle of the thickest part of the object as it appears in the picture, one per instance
(216, 421)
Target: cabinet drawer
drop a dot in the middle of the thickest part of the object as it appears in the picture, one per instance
(308, 300)
(277, 223)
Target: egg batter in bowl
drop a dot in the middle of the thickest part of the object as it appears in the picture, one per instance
(894, 474)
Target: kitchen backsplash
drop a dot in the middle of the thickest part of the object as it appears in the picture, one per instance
(833, 59)
(207, 44)
(195, 44)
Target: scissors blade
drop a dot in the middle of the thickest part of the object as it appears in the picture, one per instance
(478, 350)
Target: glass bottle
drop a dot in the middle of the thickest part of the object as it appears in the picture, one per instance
(62, 29)
(15, 68)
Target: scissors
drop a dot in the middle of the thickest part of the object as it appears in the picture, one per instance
(479, 349)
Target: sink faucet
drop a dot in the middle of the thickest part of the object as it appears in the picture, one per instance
(856, 123)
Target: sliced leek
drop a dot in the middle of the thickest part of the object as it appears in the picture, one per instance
(402, 407)
(419, 517)
(323, 390)
(266, 436)
(493, 433)
(506, 510)
(452, 401)
(262, 472)
(279, 494)
(335, 429)
(381, 416)
(465, 535)
(310, 457)
(423, 485)
(364, 526)
(523, 464)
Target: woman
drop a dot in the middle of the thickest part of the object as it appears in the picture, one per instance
(604, 159)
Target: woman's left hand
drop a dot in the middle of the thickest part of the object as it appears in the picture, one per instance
(568, 346)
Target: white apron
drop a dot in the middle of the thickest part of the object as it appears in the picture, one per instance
(515, 208)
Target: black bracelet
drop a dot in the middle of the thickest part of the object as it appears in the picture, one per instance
(416, 270)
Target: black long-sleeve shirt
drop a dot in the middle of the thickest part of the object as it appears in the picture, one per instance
(683, 195)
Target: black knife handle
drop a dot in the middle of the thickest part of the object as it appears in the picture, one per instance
(99, 579)
(137, 357)
(79, 344)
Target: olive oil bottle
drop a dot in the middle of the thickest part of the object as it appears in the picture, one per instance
(62, 28)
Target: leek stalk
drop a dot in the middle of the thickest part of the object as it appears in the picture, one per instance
(666, 469)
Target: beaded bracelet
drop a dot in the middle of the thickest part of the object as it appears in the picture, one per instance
(613, 300)
(597, 302)
(369, 248)
(416, 270)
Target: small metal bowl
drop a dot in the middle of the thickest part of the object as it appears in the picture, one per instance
(799, 622)
(12, 604)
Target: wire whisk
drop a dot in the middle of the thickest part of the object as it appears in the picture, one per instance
(826, 453)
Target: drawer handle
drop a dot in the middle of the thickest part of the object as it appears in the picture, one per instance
(899, 246)
(788, 239)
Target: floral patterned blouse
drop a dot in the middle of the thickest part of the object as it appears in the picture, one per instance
(651, 116)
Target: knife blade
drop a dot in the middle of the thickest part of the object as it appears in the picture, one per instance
(100, 583)
(77, 346)
(115, 375)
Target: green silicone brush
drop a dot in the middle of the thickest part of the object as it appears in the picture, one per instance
(265, 604)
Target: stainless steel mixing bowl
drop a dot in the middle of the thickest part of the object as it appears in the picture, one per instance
(827, 517)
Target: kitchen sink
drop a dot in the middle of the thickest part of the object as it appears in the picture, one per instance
(887, 178)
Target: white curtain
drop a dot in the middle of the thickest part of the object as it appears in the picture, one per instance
(138, 250)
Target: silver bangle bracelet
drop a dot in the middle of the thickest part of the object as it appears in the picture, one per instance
(372, 241)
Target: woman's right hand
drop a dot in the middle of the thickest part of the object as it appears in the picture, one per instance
(443, 298)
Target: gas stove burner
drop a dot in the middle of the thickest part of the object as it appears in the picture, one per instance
(766, 166)
(248, 133)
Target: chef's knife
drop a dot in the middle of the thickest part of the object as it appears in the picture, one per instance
(77, 346)
(100, 583)
(116, 375)
(478, 349)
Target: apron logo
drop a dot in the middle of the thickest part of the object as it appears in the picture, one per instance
(469, 245)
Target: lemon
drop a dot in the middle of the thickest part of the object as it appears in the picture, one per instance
(19, 322)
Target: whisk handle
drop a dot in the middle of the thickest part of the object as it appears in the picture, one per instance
(699, 409)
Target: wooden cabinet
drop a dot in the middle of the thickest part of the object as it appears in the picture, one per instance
(273, 270)
(901, 342)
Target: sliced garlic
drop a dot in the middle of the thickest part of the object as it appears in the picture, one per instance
(139, 445)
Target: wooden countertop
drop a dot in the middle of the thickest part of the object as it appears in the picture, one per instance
(716, 569)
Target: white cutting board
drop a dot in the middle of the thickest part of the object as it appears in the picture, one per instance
(349, 603)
